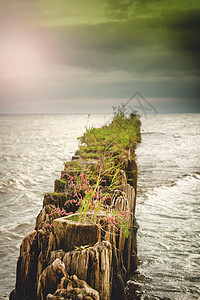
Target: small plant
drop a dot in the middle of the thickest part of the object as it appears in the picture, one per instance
(82, 247)
(91, 187)
(112, 139)
(91, 199)
(58, 211)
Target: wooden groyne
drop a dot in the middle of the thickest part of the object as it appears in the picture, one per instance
(84, 242)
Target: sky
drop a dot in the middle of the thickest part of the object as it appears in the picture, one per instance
(86, 56)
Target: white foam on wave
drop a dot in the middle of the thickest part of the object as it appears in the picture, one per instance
(9, 233)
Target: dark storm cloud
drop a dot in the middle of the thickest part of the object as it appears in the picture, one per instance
(144, 42)
(108, 49)
(119, 8)
(186, 28)
(133, 46)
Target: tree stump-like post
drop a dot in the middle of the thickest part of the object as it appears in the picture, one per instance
(88, 254)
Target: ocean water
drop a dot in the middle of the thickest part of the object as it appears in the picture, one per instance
(168, 209)
(33, 149)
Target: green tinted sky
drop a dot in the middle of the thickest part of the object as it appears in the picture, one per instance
(86, 56)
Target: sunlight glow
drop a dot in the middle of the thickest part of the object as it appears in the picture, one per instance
(19, 57)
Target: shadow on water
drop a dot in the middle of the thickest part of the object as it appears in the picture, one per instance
(136, 286)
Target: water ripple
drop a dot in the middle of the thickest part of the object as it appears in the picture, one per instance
(33, 150)
(168, 208)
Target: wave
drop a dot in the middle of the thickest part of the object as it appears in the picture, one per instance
(195, 175)
(153, 132)
(185, 184)
(11, 157)
(20, 183)
(192, 178)
(9, 233)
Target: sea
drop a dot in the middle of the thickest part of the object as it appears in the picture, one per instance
(33, 149)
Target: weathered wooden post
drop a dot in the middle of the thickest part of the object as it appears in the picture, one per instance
(88, 254)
